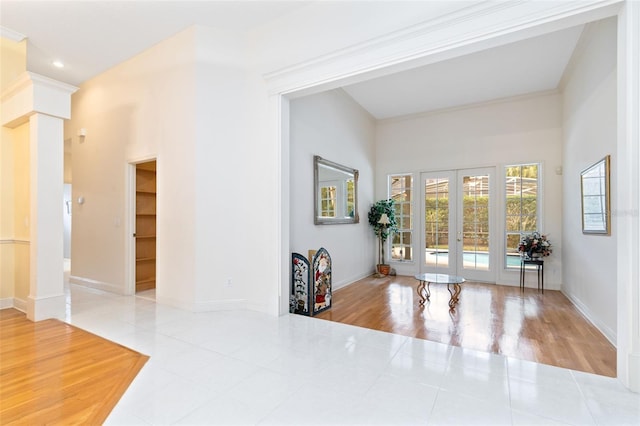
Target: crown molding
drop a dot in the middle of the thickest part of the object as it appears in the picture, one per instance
(480, 26)
(11, 35)
(34, 93)
(29, 78)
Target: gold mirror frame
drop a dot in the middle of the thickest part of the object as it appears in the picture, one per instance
(340, 204)
(596, 199)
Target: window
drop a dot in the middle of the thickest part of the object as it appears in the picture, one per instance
(400, 190)
(522, 207)
(328, 201)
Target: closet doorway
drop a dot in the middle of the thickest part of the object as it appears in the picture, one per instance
(145, 227)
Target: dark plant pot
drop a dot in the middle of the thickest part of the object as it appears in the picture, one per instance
(384, 269)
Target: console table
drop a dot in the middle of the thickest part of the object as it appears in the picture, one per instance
(539, 264)
(425, 280)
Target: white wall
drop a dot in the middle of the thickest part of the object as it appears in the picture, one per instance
(235, 179)
(589, 110)
(518, 130)
(333, 126)
(140, 109)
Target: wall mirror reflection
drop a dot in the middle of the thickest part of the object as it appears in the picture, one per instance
(335, 193)
(596, 205)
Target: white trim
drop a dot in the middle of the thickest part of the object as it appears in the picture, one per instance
(586, 312)
(99, 285)
(33, 93)
(347, 281)
(6, 303)
(280, 111)
(9, 241)
(445, 37)
(11, 34)
(625, 197)
(20, 304)
(41, 308)
(28, 78)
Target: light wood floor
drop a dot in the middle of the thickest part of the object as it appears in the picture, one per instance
(544, 328)
(54, 373)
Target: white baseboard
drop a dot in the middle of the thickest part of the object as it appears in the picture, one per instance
(15, 303)
(20, 304)
(99, 285)
(343, 283)
(603, 328)
(41, 308)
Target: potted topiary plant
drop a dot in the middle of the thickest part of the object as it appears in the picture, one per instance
(383, 220)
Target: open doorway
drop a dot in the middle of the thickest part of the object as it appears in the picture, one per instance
(67, 206)
(66, 222)
(145, 229)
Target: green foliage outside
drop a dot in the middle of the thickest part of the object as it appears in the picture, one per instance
(520, 217)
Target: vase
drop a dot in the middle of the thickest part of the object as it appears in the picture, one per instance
(384, 269)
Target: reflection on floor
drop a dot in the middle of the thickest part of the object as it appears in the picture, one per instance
(527, 325)
(242, 367)
(147, 294)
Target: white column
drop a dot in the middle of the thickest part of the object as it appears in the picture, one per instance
(46, 290)
(44, 103)
(628, 279)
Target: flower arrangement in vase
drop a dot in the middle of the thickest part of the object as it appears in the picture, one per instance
(535, 245)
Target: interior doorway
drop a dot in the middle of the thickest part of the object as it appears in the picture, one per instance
(145, 227)
(458, 229)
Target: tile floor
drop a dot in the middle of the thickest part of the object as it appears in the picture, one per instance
(246, 368)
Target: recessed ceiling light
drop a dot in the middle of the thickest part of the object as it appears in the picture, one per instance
(58, 64)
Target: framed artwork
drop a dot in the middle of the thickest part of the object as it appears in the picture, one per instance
(300, 299)
(596, 202)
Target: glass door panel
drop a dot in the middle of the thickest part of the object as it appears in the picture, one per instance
(474, 224)
(457, 223)
(437, 223)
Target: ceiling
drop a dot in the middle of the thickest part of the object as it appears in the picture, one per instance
(91, 37)
(529, 66)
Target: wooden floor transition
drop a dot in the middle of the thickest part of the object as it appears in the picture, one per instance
(545, 328)
(54, 373)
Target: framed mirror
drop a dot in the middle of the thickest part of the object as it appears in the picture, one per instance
(596, 204)
(335, 193)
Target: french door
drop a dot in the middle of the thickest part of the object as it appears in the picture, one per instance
(458, 224)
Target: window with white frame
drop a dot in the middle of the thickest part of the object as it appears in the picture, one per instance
(328, 195)
(522, 205)
(400, 191)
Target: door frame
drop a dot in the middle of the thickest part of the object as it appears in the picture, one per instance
(130, 224)
(456, 266)
(490, 275)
